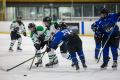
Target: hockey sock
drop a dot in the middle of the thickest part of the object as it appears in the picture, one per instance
(105, 54)
(114, 53)
(12, 43)
(39, 56)
(52, 56)
(97, 49)
(19, 42)
(74, 59)
(81, 56)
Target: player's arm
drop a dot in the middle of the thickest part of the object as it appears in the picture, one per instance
(56, 40)
(23, 29)
(94, 26)
(40, 30)
(35, 41)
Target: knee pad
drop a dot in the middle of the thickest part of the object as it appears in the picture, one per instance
(13, 41)
(74, 60)
(73, 55)
(115, 55)
(98, 46)
(97, 50)
(20, 40)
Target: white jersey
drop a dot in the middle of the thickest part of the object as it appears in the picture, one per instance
(15, 24)
(34, 36)
(49, 33)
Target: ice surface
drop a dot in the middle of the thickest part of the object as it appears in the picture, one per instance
(63, 72)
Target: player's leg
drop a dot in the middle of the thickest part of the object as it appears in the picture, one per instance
(53, 59)
(80, 52)
(13, 40)
(97, 48)
(19, 42)
(39, 62)
(115, 57)
(105, 58)
(75, 61)
(114, 46)
(72, 52)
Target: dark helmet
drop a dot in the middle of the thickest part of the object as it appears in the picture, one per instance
(48, 20)
(19, 17)
(105, 12)
(62, 25)
(32, 25)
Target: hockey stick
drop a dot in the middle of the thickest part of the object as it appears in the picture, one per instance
(20, 63)
(106, 42)
(40, 59)
(34, 58)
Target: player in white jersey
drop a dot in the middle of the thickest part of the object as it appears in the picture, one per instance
(49, 34)
(15, 27)
(51, 30)
(39, 39)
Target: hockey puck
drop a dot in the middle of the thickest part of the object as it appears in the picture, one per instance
(25, 75)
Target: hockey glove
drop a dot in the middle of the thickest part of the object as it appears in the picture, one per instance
(48, 48)
(37, 46)
(99, 36)
(24, 34)
(95, 29)
(16, 29)
(41, 38)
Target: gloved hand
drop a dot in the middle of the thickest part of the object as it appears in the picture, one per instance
(16, 29)
(48, 48)
(37, 46)
(99, 36)
(24, 34)
(41, 38)
(95, 29)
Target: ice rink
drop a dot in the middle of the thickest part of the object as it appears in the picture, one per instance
(62, 72)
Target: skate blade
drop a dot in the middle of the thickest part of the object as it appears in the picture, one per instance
(52, 66)
(96, 59)
(78, 70)
(85, 68)
(103, 68)
(10, 51)
(114, 68)
(19, 50)
(48, 66)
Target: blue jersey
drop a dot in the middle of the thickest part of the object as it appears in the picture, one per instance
(60, 36)
(105, 26)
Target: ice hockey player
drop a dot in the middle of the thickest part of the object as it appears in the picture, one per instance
(15, 27)
(105, 26)
(37, 36)
(73, 42)
(49, 35)
(97, 40)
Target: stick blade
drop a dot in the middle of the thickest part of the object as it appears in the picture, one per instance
(3, 69)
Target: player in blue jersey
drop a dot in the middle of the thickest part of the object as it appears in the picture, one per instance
(73, 42)
(97, 40)
(105, 25)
